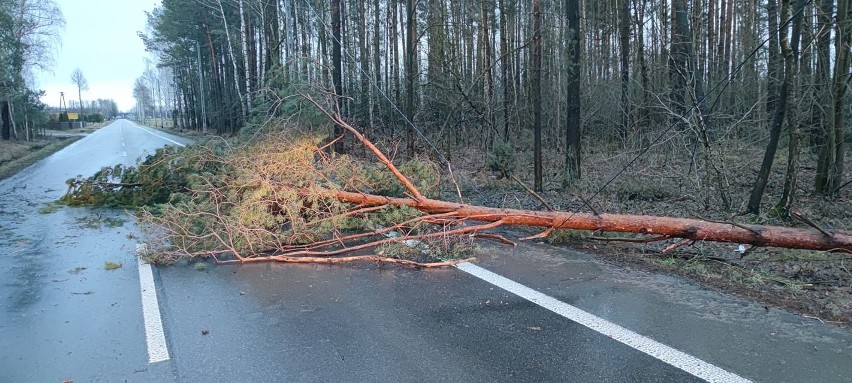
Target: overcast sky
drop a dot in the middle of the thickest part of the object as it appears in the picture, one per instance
(99, 38)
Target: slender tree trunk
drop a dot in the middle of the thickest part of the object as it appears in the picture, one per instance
(774, 64)
(410, 74)
(12, 120)
(572, 129)
(272, 34)
(791, 70)
(624, 50)
(504, 67)
(249, 45)
(364, 58)
(233, 56)
(487, 63)
(678, 63)
(5, 115)
(831, 152)
(337, 69)
(842, 81)
(535, 89)
(393, 41)
(774, 134)
(377, 53)
(639, 28)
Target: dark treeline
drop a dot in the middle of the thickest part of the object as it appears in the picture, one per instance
(541, 75)
(29, 31)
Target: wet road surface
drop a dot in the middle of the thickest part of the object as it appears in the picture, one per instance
(63, 316)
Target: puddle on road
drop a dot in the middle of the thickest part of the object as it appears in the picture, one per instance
(27, 280)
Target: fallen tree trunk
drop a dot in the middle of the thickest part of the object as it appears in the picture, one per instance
(661, 227)
(287, 200)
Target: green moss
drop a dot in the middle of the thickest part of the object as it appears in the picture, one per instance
(643, 191)
(502, 159)
(49, 208)
(667, 262)
(108, 265)
(696, 267)
(560, 236)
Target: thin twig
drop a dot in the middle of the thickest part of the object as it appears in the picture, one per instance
(674, 246)
(532, 192)
(844, 185)
(495, 237)
(350, 259)
(588, 204)
(543, 234)
(808, 222)
(453, 178)
(369, 144)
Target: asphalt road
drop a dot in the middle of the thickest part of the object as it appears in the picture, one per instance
(63, 316)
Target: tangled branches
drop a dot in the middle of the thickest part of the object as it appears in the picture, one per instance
(273, 200)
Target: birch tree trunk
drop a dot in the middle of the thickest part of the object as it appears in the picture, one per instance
(246, 64)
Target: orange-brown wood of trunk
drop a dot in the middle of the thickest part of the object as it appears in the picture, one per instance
(662, 227)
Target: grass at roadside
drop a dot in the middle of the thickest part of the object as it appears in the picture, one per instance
(15, 156)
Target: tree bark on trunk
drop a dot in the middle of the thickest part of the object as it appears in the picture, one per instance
(5, 114)
(774, 135)
(774, 64)
(660, 228)
(791, 63)
(536, 93)
(624, 48)
(337, 69)
(572, 128)
(504, 68)
(410, 74)
(832, 155)
(487, 64)
(234, 57)
(364, 57)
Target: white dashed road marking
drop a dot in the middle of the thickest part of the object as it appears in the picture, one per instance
(669, 355)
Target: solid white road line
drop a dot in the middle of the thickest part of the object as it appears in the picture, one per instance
(669, 355)
(158, 351)
(157, 135)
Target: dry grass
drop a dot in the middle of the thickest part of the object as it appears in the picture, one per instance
(17, 155)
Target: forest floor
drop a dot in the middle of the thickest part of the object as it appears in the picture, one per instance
(817, 285)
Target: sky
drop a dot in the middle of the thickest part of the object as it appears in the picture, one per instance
(100, 38)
